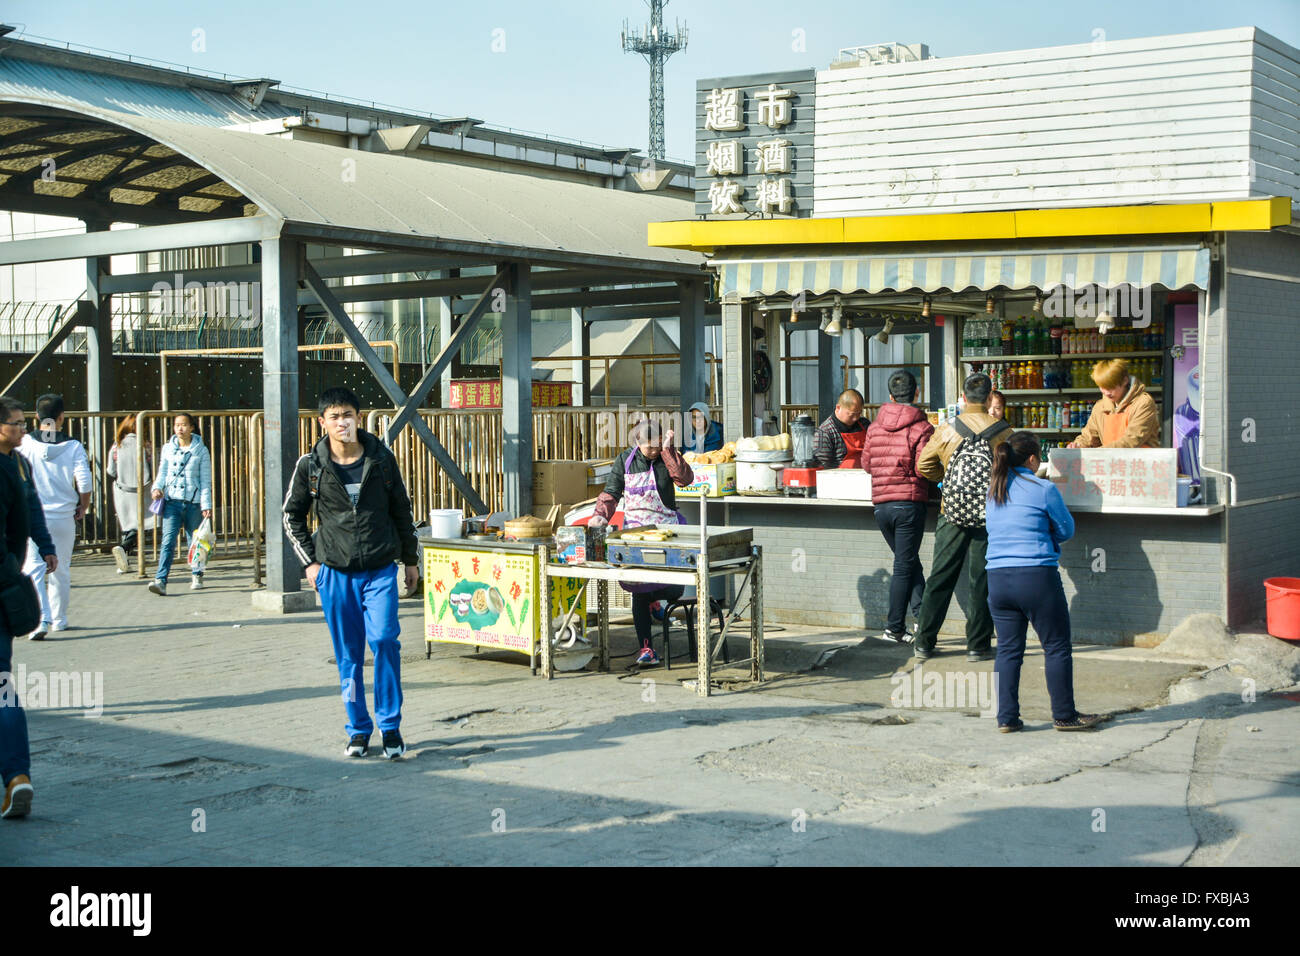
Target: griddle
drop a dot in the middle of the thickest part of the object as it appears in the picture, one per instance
(681, 551)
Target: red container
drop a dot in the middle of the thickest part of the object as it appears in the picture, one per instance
(1283, 597)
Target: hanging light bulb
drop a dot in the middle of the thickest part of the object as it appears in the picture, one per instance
(988, 304)
(833, 327)
(1038, 303)
(925, 308)
(883, 335)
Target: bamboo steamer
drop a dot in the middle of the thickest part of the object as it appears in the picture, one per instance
(527, 528)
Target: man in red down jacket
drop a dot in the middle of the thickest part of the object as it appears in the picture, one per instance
(893, 444)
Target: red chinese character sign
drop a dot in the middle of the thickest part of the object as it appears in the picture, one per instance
(1092, 478)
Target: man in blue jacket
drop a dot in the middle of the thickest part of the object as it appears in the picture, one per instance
(365, 526)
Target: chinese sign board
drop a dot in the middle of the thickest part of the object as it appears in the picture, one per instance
(1121, 477)
(486, 393)
(754, 145)
(489, 599)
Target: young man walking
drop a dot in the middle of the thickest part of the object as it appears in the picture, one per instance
(893, 445)
(12, 424)
(960, 455)
(365, 525)
(15, 753)
(61, 474)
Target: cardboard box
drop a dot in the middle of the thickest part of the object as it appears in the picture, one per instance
(598, 470)
(712, 481)
(559, 482)
(846, 484)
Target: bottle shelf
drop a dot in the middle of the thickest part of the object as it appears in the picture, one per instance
(1063, 391)
(1056, 358)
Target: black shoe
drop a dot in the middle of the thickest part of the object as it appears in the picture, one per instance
(921, 654)
(1010, 728)
(393, 746)
(893, 638)
(976, 656)
(1081, 721)
(358, 746)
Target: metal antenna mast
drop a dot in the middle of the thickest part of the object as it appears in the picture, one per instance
(656, 46)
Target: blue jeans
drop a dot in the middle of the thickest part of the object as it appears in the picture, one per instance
(175, 514)
(903, 525)
(1019, 597)
(15, 757)
(361, 608)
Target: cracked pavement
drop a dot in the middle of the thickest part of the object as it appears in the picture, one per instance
(241, 729)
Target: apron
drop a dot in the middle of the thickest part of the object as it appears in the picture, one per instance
(642, 506)
(1113, 427)
(853, 444)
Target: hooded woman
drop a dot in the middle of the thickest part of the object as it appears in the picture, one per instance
(704, 434)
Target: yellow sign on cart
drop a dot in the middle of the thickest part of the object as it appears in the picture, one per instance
(489, 599)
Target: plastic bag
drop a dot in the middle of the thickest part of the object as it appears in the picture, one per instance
(202, 541)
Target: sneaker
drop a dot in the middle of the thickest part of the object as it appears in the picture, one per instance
(123, 562)
(18, 797)
(893, 638)
(158, 587)
(1080, 721)
(40, 632)
(647, 657)
(196, 582)
(977, 656)
(921, 654)
(358, 746)
(393, 746)
(1010, 728)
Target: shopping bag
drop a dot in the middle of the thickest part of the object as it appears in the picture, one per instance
(202, 541)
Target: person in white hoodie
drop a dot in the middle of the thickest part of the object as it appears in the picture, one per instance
(61, 473)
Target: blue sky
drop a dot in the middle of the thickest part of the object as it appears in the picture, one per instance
(562, 71)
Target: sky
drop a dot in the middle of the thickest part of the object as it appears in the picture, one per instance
(557, 68)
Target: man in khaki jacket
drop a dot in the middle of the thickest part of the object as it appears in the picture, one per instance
(952, 542)
(1125, 416)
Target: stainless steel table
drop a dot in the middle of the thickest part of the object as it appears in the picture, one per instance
(750, 566)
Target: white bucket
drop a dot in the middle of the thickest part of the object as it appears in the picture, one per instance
(445, 523)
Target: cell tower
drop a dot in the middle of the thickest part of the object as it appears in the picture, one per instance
(656, 46)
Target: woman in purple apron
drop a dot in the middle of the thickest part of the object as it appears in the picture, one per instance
(646, 482)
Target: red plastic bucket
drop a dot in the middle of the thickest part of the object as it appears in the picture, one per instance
(1283, 595)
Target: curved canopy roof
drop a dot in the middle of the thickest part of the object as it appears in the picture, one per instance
(69, 159)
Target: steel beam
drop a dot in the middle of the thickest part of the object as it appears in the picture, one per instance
(517, 391)
(216, 232)
(410, 408)
(281, 260)
(79, 316)
(690, 345)
(42, 205)
(325, 296)
(829, 383)
(577, 300)
(99, 338)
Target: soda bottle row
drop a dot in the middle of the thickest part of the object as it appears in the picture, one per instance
(1057, 415)
(1016, 376)
(990, 338)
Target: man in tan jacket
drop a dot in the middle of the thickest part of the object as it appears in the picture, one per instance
(1125, 416)
(953, 542)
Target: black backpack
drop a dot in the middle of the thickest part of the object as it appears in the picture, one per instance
(966, 479)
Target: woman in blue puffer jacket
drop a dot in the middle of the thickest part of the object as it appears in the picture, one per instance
(184, 484)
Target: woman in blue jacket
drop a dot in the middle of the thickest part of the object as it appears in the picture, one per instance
(184, 483)
(1027, 521)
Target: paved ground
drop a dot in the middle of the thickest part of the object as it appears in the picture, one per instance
(220, 743)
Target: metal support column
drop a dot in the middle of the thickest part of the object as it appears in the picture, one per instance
(446, 328)
(578, 339)
(99, 333)
(737, 368)
(829, 382)
(281, 264)
(695, 371)
(517, 388)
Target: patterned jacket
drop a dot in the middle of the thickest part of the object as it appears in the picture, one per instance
(828, 447)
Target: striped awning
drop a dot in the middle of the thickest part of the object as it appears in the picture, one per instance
(1171, 267)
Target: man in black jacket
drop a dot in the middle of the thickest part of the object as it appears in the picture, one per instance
(15, 755)
(365, 525)
(12, 428)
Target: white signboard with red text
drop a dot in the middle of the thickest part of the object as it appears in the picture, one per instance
(1116, 477)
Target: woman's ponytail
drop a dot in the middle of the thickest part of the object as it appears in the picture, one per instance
(1012, 453)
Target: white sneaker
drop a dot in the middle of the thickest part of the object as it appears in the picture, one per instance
(196, 582)
(40, 632)
(123, 563)
(157, 587)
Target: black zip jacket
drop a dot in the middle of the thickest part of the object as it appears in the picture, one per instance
(378, 531)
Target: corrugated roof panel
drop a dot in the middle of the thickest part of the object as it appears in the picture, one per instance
(25, 78)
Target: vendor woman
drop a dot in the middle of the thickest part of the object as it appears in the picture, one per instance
(644, 477)
(703, 434)
(838, 441)
(1125, 416)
